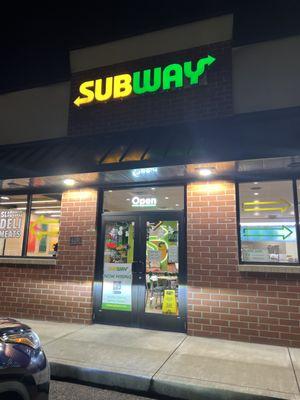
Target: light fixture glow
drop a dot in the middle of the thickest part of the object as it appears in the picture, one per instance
(69, 182)
(4, 198)
(205, 172)
(256, 194)
(166, 198)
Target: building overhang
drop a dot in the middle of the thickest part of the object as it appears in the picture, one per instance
(239, 146)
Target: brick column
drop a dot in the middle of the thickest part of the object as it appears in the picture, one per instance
(77, 263)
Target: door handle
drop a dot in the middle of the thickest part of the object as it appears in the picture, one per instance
(139, 267)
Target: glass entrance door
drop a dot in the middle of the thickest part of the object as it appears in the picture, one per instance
(142, 277)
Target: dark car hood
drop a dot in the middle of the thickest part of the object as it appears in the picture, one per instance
(9, 324)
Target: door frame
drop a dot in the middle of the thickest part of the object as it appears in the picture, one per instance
(149, 320)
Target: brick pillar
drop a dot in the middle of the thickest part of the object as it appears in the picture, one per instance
(77, 263)
(212, 256)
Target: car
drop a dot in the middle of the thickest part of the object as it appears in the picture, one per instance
(24, 369)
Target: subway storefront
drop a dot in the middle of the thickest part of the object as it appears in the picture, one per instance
(163, 208)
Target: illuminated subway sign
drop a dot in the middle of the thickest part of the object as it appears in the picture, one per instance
(141, 82)
(137, 201)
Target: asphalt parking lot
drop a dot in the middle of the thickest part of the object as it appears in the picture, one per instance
(71, 391)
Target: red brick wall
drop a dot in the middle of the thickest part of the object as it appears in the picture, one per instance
(62, 292)
(222, 302)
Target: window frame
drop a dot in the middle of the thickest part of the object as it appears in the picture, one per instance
(27, 224)
(296, 215)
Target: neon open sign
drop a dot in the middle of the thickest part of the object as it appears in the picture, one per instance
(137, 201)
(141, 82)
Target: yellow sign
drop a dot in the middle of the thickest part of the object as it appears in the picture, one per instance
(272, 205)
(170, 303)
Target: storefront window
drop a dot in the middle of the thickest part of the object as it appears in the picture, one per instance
(267, 222)
(118, 259)
(44, 225)
(12, 224)
(36, 236)
(142, 199)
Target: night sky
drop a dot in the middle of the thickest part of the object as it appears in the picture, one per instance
(35, 42)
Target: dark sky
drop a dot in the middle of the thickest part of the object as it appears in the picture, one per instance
(35, 42)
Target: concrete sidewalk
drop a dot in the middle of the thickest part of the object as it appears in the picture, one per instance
(170, 364)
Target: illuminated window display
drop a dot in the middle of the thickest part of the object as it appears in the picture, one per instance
(44, 225)
(36, 236)
(267, 222)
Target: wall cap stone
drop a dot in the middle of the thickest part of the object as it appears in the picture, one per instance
(286, 269)
(27, 261)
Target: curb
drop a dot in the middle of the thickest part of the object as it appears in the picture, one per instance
(119, 380)
(181, 390)
(151, 386)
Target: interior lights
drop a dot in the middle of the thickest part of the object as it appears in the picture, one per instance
(69, 182)
(205, 172)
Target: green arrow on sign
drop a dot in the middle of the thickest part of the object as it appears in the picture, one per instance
(285, 232)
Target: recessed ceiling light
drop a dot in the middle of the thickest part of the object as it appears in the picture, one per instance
(256, 214)
(4, 198)
(176, 205)
(256, 194)
(152, 188)
(205, 172)
(110, 191)
(69, 182)
(255, 183)
(166, 198)
(127, 199)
